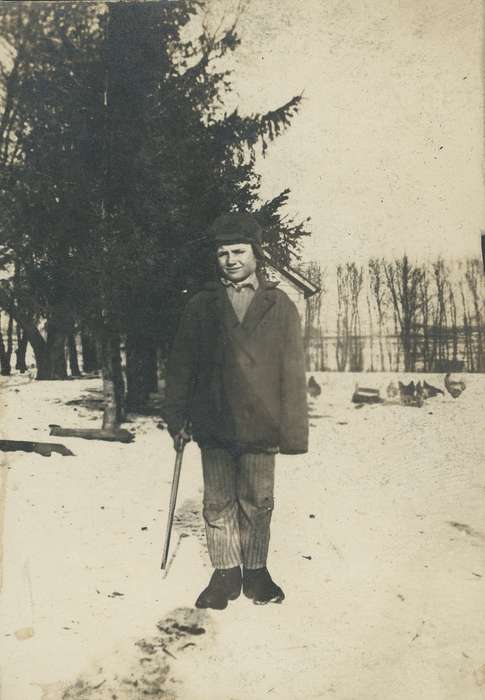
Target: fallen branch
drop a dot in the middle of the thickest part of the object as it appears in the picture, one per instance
(119, 435)
(42, 448)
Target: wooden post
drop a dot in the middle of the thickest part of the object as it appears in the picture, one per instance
(113, 382)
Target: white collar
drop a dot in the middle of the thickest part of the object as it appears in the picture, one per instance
(251, 281)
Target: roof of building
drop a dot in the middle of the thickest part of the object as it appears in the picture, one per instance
(307, 287)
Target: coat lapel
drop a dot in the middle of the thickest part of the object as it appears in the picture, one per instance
(232, 328)
(262, 301)
(241, 333)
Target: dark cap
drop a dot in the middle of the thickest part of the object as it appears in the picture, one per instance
(236, 227)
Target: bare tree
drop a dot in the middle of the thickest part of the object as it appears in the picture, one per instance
(378, 289)
(371, 331)
(403, 280)
(317, 276)
(343, 320)
(427, 348)
(395, 349)
(474, 278)
(467, 329)
(313, 332)
(441, 315)
(349, 348)
(454, 320)
(355, 282)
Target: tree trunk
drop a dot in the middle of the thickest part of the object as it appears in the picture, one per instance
(5, 369)
(469, 354)
(4, 363)
(141, 369)
(73, 359)
(56, 350)
(113, 383)
(9, 344)
(371, 332)
(89, 352)
(406, 346)
(50, 357)
(21, 350)
(41, 360)
(397, 335)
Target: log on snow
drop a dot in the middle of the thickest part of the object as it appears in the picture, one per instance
(42, 448)
(93, 433)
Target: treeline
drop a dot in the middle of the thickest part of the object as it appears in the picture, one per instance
(115, 155)
(398, 315)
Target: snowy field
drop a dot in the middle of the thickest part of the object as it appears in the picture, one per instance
(378, 541)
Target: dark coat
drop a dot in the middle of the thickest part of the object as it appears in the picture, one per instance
(239, 384)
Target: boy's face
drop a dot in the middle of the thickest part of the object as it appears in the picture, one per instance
(236, 261)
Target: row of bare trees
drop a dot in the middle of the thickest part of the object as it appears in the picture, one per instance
(398, 315)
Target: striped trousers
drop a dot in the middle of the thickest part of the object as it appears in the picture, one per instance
(238, 504)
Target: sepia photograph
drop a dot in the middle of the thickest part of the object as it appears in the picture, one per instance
(242, 350)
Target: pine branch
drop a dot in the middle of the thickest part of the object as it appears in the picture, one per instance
(235, 131)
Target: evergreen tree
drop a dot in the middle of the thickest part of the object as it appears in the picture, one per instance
(48, 84)
(117, 155)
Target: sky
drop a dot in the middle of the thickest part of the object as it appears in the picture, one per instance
(385, 155)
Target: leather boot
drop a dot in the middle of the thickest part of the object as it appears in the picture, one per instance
(260, 587)
(225, 585)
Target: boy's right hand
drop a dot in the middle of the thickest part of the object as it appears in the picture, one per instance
(180, 439)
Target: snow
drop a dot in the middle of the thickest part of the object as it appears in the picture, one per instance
(377, 540)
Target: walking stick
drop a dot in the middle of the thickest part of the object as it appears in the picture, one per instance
(173, 500)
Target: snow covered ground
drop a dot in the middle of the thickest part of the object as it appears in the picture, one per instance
(378, 540)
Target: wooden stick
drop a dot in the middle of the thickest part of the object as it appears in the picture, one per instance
(173, 501)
